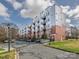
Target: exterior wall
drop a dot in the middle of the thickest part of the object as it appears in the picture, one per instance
(58, 33)
(57, 22)
(60, 24)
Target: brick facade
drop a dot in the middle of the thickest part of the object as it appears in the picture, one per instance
(58, 33)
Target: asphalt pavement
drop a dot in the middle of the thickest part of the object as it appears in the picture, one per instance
(32, 50)
(39, 51)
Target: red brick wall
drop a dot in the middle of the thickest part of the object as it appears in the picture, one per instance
(59, 33)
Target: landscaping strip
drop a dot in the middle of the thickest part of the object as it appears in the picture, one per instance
(7, 55)
(68, 46)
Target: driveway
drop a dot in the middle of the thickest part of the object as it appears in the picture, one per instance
(38, 51)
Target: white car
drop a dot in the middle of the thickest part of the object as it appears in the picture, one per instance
(12, 41)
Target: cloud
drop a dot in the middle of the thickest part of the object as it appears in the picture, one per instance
(7, 19)
(35, 7)
(11, 1)
(30, 8)
(26, 13)
(3, 11)
(71, 13)
(77, 16)
(65, 9)
(17, 5)
(68, 20)
(40, 3)
(74, 12)
(71, 25)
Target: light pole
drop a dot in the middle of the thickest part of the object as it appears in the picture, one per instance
(10, 27)
(8, 36)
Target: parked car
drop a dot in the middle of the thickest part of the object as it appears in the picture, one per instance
(38, 41)
(12, 41)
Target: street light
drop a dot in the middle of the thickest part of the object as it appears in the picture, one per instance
(8, 26)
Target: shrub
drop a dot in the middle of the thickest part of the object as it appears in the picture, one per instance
(44, 36)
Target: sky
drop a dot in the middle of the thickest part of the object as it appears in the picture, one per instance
(23, 11)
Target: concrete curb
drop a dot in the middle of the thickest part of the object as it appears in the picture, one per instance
(18, 51)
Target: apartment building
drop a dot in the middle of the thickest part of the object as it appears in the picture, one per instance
(55, 22)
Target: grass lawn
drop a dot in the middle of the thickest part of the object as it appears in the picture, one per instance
(8, 55)
(67, 45)
(1, 50)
